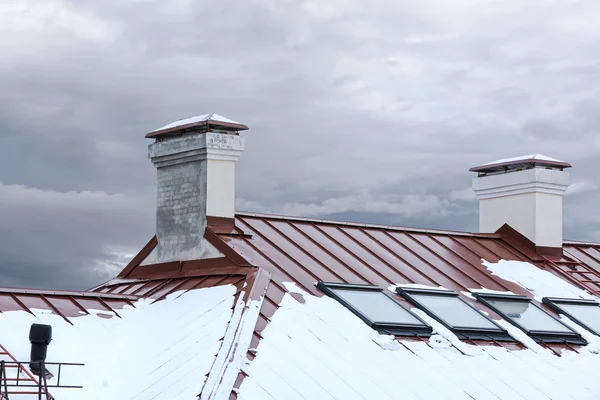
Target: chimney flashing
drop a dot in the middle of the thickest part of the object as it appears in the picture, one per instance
(552, 253)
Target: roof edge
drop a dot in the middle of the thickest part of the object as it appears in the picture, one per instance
(243, 214)
(138, 258)
(48, 292)
(580, 243)
(534, 161)
(210, 123)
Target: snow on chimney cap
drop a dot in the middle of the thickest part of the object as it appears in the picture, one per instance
(518, 163)
(206, 121)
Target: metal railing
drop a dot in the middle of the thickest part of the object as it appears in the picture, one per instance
(13, 386)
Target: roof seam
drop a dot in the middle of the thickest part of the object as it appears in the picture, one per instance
(480, 266)
(353, 254)
(398, 256)
(287, 253)
(384, 262)
(422, 259)
(272, 262)
(300, 248)
(329, 253)
(56, 310)
(436, 255)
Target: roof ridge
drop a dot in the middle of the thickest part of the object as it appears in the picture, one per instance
(233, 353)
(362, 224)
(580, 242)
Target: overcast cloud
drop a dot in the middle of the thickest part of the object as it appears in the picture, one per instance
(362, 110)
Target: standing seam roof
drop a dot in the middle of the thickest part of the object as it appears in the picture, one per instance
(66, 304)
(306, 251)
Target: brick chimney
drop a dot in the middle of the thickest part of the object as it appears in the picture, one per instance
(526, 194)
(195, 162)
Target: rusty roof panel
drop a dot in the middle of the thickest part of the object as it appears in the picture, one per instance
(380, 247)
(589, 255)
(306, 251)
(31, 301)
(8, 302)
(157, 281)
(66, 304)
(159, 288)
(580, 264)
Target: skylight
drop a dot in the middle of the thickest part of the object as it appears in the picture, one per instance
(454, 313)
(527, 316)
(379, 310)
(584, 312)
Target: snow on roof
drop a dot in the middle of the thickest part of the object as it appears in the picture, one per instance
(319, 349)
(470, 292)
(535, 159)
(392, 288)
(161, 350)
(539, 157)
(537, 281)
(197, 118)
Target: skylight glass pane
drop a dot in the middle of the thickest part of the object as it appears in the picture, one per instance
(377, 306)
(529, 316)
(454, 311)
(587, 314)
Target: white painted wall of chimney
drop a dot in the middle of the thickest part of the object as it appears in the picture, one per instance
(220, 181)
(518, 211)
(530, 201)
(549, 221)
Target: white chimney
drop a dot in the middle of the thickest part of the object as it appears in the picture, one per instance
(195, 161)
(525, 193)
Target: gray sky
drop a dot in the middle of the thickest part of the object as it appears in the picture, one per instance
(370, 111)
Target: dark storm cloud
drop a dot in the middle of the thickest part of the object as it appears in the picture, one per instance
(369, 111)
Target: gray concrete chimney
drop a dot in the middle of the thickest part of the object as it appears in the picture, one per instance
(195, 162)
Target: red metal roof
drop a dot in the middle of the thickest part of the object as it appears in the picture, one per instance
(63, 303)
(581, 263)
(306, 251)
(161, 286)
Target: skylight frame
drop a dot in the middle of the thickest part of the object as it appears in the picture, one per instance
(462, 332)
(397, 329)
(554, 304)
(537, 335)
